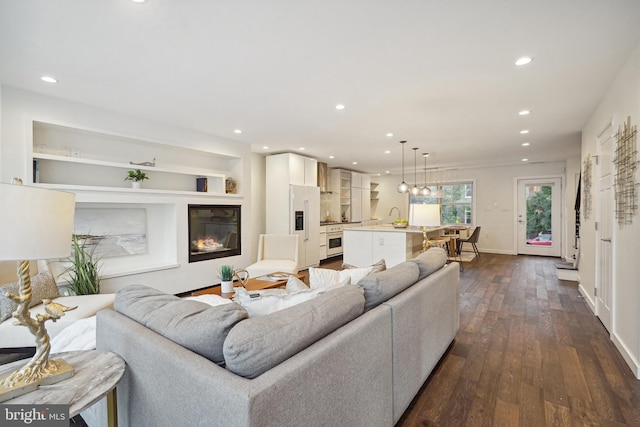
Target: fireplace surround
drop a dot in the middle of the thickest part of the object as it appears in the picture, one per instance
(214, 232)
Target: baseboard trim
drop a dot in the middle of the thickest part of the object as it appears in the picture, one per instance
(626, 355)
(587, 298)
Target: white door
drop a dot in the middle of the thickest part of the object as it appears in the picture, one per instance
(604, 220)
(539, 229)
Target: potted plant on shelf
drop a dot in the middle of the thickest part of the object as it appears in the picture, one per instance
(226, 278)
(84, 269)
(136, 177)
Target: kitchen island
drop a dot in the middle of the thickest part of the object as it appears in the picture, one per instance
(365, 246)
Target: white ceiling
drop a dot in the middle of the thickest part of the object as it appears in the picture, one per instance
(437, 73)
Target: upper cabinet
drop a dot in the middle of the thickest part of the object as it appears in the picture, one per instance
(292, 169)
(71, 158)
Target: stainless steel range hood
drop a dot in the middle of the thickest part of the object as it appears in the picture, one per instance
(323, 178)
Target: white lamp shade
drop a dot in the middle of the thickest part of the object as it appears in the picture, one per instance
(424, 215)
(35, 223)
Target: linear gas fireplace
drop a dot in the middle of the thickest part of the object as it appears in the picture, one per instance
(214, 231)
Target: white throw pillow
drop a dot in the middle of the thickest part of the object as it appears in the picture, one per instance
(260, 303)
(294, 284)
(211, 299)
(355, 274)
(325, 279)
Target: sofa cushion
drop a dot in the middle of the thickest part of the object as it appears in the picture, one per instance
(267, 301)
(430, 261)
(256, 345)
(379, 287)
(194, 325)
(43, 286)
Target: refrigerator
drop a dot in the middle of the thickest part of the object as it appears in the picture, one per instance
(304, 220)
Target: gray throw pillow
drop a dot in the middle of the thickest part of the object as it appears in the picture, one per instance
(258, 344)
(194, 325)
(42, 286)
(379, 287)
(430, 261)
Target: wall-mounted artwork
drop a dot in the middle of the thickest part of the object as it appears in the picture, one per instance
(626, 162)
(587, 191)
(113, 232)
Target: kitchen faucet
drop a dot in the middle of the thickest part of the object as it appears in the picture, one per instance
(398, 209)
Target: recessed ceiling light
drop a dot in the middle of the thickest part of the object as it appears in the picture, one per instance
(524, 112)
(525, 160)
(48, 79)
(387, 151)
(332, 157)
(340, 107)
(237, 131)
(526, 144)
(138, 1)
(301, 148)
(266, 147)
(524, 131)
(354, 163)
(387, 171)
(524, 60)
(389, 134)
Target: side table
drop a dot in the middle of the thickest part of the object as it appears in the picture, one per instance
(96, 375)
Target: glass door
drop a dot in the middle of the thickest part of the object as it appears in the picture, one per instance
(539, 229)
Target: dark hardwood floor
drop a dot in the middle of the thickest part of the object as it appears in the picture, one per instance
(529, 352)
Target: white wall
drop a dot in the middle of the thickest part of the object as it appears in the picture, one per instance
(622, 100)
(494, 199)
(19, 106)
(258, 204)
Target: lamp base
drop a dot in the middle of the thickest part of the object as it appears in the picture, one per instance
(426, 244)
(64, 371)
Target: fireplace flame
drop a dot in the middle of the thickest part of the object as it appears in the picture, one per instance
(207, 244)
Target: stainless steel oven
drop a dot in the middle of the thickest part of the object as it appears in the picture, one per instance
(334, 239)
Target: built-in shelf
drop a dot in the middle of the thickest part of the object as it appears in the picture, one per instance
(74, 158)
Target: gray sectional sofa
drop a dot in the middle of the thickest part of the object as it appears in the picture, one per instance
(353, 356)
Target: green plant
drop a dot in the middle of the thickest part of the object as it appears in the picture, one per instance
(136, 176)
(226, 273)
(84, 271)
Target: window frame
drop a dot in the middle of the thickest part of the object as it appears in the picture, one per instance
(439, 185)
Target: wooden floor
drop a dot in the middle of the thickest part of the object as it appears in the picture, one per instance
(529, 352)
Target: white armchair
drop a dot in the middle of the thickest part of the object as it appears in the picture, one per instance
(276, 252)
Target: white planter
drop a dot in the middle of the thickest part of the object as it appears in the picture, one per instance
(226, 286)
(135, 184)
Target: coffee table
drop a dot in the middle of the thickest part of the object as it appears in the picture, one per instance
(254, 284)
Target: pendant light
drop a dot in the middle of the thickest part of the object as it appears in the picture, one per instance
(425, 191)
(403, 187)
(415, 190)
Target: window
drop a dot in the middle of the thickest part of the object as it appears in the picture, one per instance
(456, 205)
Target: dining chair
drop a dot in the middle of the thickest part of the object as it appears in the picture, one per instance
(473, 239)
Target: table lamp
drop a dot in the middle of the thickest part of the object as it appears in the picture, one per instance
(35, 224)
(424, 215)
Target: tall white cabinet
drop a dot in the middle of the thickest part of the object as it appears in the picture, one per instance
(354, 190)
(285, 174)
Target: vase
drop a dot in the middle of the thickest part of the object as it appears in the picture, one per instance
(226, 286)
(135, 184)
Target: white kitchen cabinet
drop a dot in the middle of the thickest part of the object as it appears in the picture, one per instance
(292, 169)
(366, 246)
(323, 242)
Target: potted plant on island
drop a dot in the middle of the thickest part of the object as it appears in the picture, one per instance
(136, 177)
(226, 278)
(84, 270)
